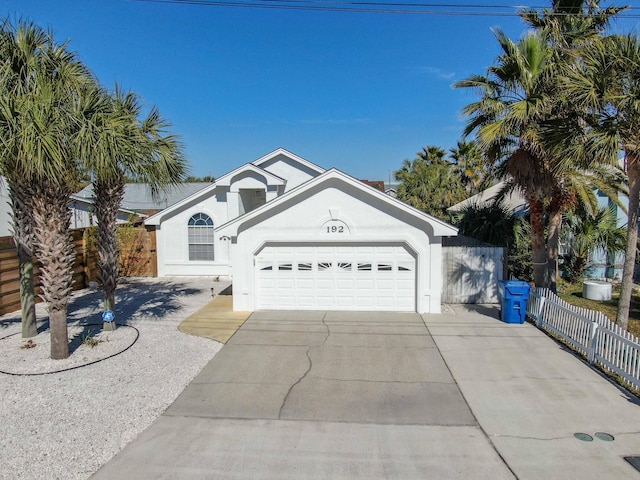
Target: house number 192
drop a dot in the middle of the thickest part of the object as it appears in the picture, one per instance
(335, 229)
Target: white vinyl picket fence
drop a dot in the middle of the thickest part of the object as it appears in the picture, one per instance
(589, 332)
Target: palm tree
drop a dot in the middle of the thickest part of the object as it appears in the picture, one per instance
(506, 123)
(568, 26)
(492, 223)
(433, 155)
(428, 183)
(587, 232)
(571, 23)
(469, 165)
(38, 79)
(37, 127)
(608, 84)
(117, 144)
(19, 48)
(522, 96)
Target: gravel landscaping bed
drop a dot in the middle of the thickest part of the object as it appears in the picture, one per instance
(66, 425)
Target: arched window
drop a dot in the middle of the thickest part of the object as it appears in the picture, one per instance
(200, 237)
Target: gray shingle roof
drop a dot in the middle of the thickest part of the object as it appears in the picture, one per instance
(137, 196)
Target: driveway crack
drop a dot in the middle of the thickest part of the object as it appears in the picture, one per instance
(327, 327)
(286, 397)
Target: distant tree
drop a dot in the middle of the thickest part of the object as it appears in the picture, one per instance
(469, 165)
(433, 155)
(206, 178)
(429, 184)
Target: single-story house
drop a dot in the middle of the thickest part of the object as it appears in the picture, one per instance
(82, 209)
(138, 197)
(293, 235)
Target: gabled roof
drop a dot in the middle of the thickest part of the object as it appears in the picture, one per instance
(281, 151)
(440, 228)
(225, 180)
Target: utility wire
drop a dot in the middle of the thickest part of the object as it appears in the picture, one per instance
(443, 9)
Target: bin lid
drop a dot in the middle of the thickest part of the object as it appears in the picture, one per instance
(516, 287)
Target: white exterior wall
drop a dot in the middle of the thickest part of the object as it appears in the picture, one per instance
(284, 167)
(173, 241)
(369, 221)
(222, 203)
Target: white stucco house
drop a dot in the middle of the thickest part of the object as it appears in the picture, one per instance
(293, 235)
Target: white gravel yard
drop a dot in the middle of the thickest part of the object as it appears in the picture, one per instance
(67, 425)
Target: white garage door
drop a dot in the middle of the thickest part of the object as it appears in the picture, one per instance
(335, 277)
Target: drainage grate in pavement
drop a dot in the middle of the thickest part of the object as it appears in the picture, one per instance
(585, 437)
(634, 461)
(605, 437)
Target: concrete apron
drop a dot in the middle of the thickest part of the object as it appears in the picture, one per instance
(531, 395)
(318, 395)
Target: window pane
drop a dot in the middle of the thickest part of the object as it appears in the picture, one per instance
(200, 233)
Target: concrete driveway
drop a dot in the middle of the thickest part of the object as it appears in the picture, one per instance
(318, 395)
(335, 395)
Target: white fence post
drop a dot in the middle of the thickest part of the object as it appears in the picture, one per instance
(591, 346)
(539, 314)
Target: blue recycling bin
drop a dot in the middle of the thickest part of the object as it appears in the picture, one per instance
(513, 300)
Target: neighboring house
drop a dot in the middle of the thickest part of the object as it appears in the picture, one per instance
(81, 212)
(377, 184)
(514, 201)
(603, 265)
(293, 235)
(139, 198)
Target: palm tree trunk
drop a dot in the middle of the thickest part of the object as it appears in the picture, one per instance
(54, 249)
(22, 216)
(553, 244)
(538, 250)
(633, 174)
(108, 197)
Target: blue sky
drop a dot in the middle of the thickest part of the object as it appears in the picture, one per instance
(356, 91)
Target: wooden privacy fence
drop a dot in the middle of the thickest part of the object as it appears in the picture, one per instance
(470, 274)
(138, 258)
(590, 333)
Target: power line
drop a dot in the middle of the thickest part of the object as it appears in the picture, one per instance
(393, 8)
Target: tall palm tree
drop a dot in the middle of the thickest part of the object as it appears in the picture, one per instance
(19, 47)
(527, 96)
(37, 130)
(568, 26)
(609, 85)
(506, 123)
(116, 143)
